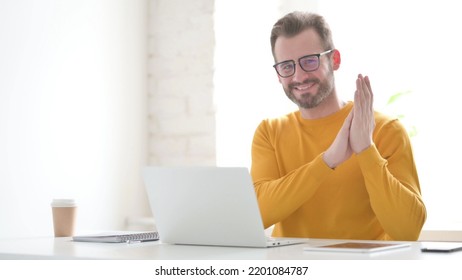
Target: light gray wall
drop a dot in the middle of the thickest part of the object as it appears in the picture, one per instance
(181, 103)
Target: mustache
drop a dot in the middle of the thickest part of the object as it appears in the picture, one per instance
(307, 81)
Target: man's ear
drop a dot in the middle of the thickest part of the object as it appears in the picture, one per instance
(336, 59)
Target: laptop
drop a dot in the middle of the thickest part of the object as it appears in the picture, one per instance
(214, 206)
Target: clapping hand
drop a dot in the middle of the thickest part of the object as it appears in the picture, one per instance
(355, 135)
(363, 122)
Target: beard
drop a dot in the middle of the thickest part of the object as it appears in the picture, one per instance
(311, 100)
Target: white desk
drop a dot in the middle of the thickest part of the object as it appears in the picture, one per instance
(64, 248)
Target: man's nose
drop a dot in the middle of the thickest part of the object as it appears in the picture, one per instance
(300, 75)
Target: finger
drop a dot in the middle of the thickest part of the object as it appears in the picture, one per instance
(366, 93)
(349, 118)
(364, 86)
(346, 123)
(368, 84)
(359, 96)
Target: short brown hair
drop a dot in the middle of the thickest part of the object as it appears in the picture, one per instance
(293, 23)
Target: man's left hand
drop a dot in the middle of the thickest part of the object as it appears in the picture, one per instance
(363, 122)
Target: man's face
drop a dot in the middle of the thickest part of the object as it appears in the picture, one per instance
(306, 89)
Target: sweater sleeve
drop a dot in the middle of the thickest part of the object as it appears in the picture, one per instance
(391, 180)
(280, 195)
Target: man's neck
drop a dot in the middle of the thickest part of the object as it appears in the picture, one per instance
(329, 106)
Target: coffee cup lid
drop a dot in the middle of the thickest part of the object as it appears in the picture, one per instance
(63, 202)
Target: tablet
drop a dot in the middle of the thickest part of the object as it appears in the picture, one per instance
(357, 247)
(441, 247)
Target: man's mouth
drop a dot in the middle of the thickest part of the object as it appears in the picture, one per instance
(304, 86)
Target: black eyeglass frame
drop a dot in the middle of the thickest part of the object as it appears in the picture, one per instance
(318, 55)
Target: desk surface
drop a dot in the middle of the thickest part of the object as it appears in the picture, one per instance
(65, 248)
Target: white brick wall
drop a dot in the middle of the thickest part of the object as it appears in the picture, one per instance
(181, 109)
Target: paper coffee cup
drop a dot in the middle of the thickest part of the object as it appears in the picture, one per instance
(64, 213)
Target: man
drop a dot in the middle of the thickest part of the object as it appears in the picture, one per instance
(332, 169)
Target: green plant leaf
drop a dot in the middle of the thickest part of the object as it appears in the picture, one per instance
(397, 96)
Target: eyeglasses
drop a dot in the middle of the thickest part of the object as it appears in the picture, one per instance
(308, 63)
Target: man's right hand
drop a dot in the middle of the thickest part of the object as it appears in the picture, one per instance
(340, 150)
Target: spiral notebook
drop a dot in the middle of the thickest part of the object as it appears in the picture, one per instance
(118, 237)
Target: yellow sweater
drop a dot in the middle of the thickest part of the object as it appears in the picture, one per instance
(373, 195)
